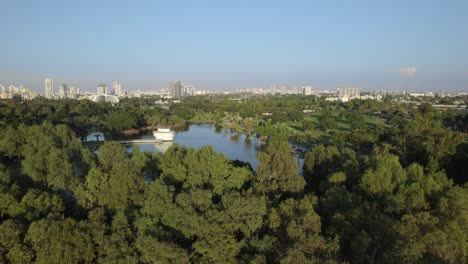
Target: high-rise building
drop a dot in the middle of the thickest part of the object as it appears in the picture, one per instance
(172, 88)
(117, 88)
(189, 90)
(349, 92)
(102, 88)
(3, 93)
(306, 90)
(442, 94)
(387, 92)
(12, 89)
(177, 89)
(49, 88)
(63, 91)
(73, 92)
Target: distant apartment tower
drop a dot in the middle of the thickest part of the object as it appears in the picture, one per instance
(306, 90)
(72, 90)
(189, 90)
(349, 92)
(387, 92)
(3, 93)
(179, 86)
(171, 88)
(117, 88)
(102, 88)
(442, 94)
(63, 91)
(49, 88)
(177, 89)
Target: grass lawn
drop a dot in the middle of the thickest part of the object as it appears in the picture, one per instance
(315, 134)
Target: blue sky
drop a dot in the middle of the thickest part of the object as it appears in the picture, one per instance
(413, 45)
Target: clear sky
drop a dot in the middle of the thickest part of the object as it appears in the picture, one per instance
(387, 44)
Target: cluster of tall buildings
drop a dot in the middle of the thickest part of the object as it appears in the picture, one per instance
(179, 89)
(349, 92)
(116, 89)
(13, 91)
(283, 89)
(304, 90)
(346, 94)
(64, 91)
(387, 92)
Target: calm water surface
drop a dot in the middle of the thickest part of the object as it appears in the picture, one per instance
(234, 146)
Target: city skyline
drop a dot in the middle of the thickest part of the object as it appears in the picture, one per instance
(179, 89)
(414, 46)
(90, 86)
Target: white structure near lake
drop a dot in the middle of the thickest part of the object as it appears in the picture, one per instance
(164, 134)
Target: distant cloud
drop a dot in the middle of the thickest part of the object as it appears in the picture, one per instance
(407, 71)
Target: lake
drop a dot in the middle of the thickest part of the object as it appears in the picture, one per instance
(233, 145)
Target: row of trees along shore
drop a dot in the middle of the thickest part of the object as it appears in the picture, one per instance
(381, 183)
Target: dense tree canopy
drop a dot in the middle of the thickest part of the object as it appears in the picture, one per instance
(370, 191)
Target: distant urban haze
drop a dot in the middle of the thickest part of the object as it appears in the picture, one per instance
(228, 45)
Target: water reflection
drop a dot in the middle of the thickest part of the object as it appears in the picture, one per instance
(95, 136)
(222, 140)
(235, 138)
(248, 144)
(233, 145)
(163, 146)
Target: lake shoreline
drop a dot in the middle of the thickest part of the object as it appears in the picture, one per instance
(234, 145)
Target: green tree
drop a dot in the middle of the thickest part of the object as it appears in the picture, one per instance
(55, 241)
(249, 125)
(205, 205)
(118, 182)
(300, 230)
(327, 120)
(423, 139)
(296, 115)
(355, 119)
(321, 162)
(123, 120)
(277, 173)
(12, 248)
(53, 156)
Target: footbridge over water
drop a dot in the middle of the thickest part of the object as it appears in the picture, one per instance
(95, 143)
(139, 141)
